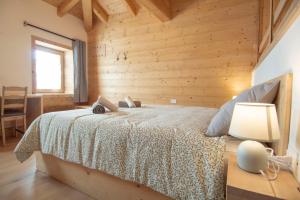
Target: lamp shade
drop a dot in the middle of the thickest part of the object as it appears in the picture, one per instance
(255, 121)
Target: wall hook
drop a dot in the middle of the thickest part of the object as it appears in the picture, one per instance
(125, 55)
(118, 56)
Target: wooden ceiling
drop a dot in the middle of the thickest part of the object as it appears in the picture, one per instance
(89, 10)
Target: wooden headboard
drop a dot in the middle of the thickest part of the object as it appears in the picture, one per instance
(283, 106)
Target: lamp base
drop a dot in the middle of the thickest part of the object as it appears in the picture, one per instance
(252, 156)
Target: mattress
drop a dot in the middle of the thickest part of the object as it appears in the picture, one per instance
(161, 147)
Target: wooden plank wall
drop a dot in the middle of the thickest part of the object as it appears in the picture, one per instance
(203, 56)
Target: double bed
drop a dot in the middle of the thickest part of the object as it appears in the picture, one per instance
(153, 152)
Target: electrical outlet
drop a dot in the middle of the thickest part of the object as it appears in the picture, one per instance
(173, 101)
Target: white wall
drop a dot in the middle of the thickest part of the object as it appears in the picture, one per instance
(284, 58)
(15, 39)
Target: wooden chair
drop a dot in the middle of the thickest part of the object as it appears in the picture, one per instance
(13, 107)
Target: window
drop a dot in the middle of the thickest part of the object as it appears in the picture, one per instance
(52, 67)
(48, 70)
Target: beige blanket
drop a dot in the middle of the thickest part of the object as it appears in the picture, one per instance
(161, 147)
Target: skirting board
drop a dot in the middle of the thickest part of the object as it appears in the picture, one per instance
(96, 184)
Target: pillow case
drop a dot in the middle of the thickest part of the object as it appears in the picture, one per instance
(262, 93)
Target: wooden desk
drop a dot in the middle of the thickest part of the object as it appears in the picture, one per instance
(82, 106)
(34, 108)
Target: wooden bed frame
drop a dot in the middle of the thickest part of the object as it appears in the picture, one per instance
(101, 186)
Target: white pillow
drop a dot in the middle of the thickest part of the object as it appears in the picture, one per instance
(263, 93)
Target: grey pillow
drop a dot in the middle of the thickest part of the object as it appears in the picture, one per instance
(263, 93)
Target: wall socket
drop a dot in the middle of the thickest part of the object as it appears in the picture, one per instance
(173, 101)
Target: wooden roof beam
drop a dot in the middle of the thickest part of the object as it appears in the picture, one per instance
(132, 7)
(87, 9)
(160, 8)
(100, 12)
(66, 6)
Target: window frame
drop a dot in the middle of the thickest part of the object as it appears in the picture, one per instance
(51, 50)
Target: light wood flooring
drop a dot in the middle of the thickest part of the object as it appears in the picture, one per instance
(22, 181)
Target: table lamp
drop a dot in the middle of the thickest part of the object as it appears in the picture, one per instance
(254, 122)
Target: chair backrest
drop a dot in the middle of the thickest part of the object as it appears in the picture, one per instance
(13, 99)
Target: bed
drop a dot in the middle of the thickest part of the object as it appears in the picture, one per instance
(152, 155)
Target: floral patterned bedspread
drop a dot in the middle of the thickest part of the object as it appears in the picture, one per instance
(162, 147)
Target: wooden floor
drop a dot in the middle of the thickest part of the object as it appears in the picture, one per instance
(21, 181)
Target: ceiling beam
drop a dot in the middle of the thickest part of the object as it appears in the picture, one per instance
(132, 7)
(161, 9)
(87, 10)
(100, 12)
(65, 7)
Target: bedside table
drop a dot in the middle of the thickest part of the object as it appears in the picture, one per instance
(242, 185)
